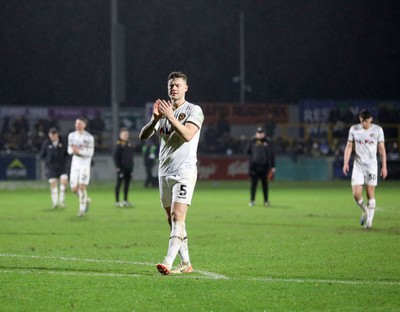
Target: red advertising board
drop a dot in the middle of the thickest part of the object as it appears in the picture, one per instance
(249, 113)
(223, 167)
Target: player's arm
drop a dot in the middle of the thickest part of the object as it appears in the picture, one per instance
(70, 149)
(382, 155)
(149, 129)
(185, 131)
(347, 154)
(89, 150)
(43, 150)
(117, 157)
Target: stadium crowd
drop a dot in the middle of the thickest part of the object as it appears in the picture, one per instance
(322, 139)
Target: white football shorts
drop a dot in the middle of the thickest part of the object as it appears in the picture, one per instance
(364, 175)
(177, 188)
(79, 175)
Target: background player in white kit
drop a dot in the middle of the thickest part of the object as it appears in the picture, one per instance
(368, 138)
(178, 123)
(81, 147)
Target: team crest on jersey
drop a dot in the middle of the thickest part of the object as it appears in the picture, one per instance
(181, 116)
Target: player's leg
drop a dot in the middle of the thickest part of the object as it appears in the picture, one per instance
(63, 188)
(371, 205)
(165, 199)
(176, 237)
(253, 187)
(264, 183)
(74, 179)
(118, 184)
(53, 192)
(83, 199)
(358, 196)
(181, 195)
(189, 185)
(127, 182)
(357, 184)
(371, 183)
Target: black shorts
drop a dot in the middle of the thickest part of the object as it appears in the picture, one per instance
(55, 173)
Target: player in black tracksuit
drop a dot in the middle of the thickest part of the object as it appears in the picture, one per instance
(123, 160)
(261, 164)
(55, 156)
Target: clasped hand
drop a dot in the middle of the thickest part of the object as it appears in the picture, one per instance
(163, 108)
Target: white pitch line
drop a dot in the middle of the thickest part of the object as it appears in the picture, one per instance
(24, 271)
(75, 259)
(205, 274)
(349, 282)
(209, 275)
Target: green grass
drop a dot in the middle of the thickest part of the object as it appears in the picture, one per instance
(306, 252)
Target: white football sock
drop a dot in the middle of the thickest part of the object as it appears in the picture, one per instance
(62, 193)
(371, 210)
(184, 250)
(82, 200)
(360, 203)
(175, 242)
(54, 195)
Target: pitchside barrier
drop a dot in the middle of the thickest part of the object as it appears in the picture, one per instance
(18, 166)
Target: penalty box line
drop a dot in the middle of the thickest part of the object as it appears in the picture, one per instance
(205, 274)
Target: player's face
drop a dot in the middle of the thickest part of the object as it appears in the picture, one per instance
(366, 123)
(260, 135)
(53, 136)
(177, 88)
(124, 135)
(80, 125)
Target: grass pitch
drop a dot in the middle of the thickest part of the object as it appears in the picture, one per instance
(306, 252)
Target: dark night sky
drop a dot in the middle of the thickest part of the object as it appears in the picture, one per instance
(56, 52)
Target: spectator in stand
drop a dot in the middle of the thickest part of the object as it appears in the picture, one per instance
(210, 143)
(20, 124)
(39, 135)
(150, 156)
(270, 126)
(97, 127)
(6, 125)
(12, 139)
(223, 127)
(393, 151)
(52, 122)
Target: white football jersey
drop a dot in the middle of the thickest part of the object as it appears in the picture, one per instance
(85, 142)
(366, 143)
(177, 156)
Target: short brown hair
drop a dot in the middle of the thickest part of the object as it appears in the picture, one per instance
(53, 130)
(81, 118)
(177, 74)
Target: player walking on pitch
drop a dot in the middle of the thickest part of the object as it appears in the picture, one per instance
(55, 156)
(367, 138)
(81, 147)
(178, 123)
